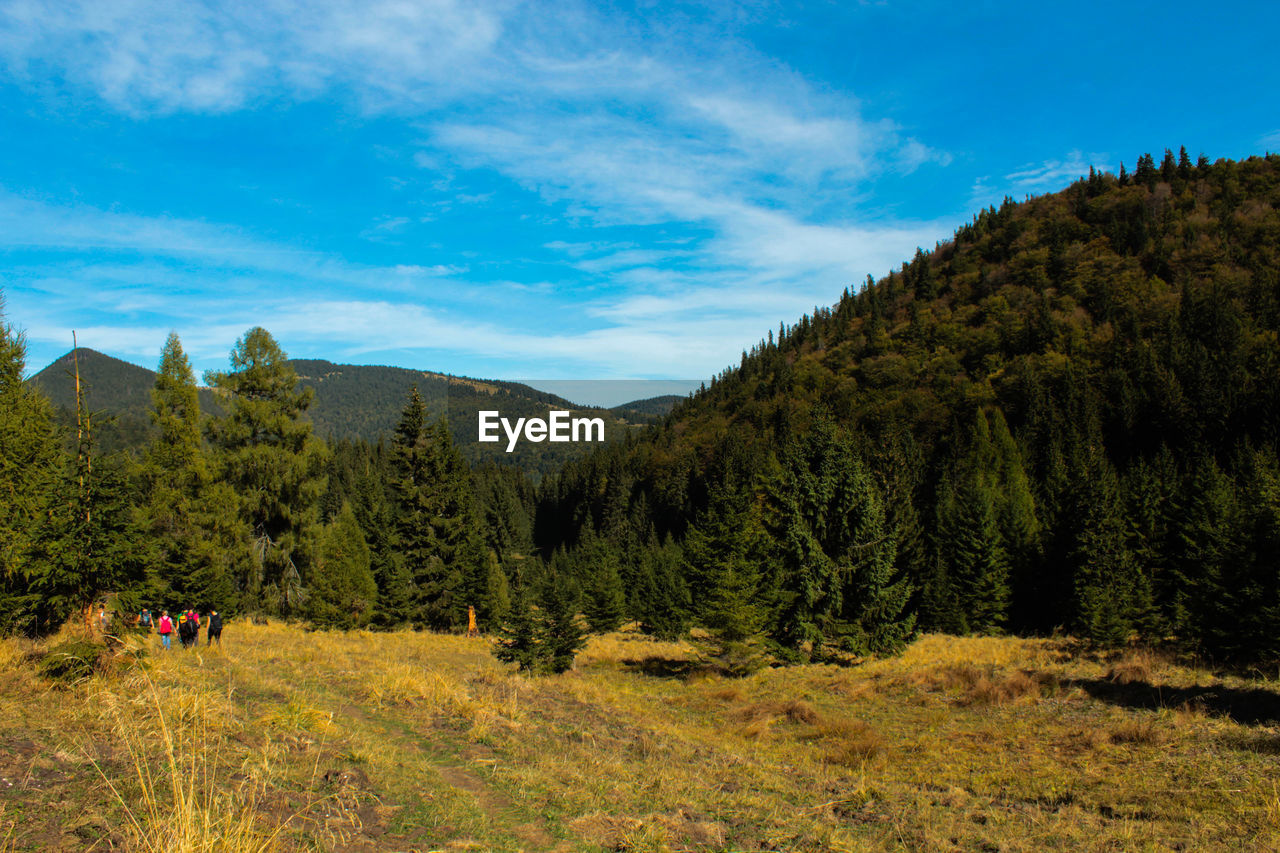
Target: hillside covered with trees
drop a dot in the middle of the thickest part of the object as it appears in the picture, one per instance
(1065, 418)
(351, 402)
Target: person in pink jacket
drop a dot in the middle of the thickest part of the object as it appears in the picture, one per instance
(166, 628)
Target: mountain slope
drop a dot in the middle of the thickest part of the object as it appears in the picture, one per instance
(351, 402)
(1072, 410)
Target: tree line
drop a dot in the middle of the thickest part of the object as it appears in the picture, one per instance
(1062, 419)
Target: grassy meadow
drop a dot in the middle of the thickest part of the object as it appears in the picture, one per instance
(286, 740)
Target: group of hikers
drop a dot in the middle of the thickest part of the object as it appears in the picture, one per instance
(187, 627)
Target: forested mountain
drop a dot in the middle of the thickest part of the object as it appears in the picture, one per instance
(351, 402)
(116, 389)
(1064, 418)
(647, 409)
(1069, 413)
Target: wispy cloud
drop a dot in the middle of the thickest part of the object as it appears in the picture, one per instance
(752, 175)
(162, 57)
(1052, 174)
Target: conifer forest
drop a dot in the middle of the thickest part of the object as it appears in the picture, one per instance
(1063, 420)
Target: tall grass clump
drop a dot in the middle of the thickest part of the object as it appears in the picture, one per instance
(175, 790)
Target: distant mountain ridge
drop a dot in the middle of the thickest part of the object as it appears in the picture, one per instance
(352, 402)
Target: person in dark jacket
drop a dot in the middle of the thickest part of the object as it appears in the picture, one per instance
(215, 628)
(186, 630)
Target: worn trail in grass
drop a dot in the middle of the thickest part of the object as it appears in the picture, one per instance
(364, 742)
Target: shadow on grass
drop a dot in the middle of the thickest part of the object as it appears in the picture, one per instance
(679, 668)
(1249, 706)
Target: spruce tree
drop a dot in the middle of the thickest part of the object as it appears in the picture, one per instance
(497, 598)
(519, 638)
(838, 586)
(1210, 540)
(30, 464)
(721, 556)
(562, 634)
(662, 596)
(977, 564)
(1252, 599)
(437, 536)
(196, 545)
(604, 602)
(87, 549)
(1112, 595)
(342, 593)
(266, 453)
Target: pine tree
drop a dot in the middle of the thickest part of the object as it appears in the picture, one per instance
(497, 599)
(29, 466)
(266, 453)
(1252, 597)
(194, 541)
(662, 597)
(987, 535)
(1209, 548)
(518, 635)
(838, 585)
(604, 602)
(364, 485)
(437, 534)
(1000, 467)
(543, 639)
(721, 558)
(562, 634)
(899, 471)
(977, 564)
(1112, 595)
(342, 593)
(1150, 487)
(86, 550)
(1145, 172)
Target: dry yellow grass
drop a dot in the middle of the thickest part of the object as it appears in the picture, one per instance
(288, 740)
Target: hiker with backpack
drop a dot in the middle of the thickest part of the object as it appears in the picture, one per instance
(166, 628)
(186, 630)
(215, 628)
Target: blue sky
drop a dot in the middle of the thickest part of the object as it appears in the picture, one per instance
(553, 189)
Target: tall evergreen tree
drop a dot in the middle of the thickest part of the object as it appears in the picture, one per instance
(837, 584)
(86, 551)
(266, 453)
(1251, 599)
(342, 593)
(196, 544)
(604, 602)
(497, 594)
(722, 562)
(1210, 539)
(972, 551)
(29, 466)
(1112, 594)
(662, 596)
(437, 537)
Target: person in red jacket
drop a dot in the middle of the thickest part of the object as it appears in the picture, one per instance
(166, 628)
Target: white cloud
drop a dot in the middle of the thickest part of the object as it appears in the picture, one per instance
(163, 57)
(1052, 174)
(610, 128)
